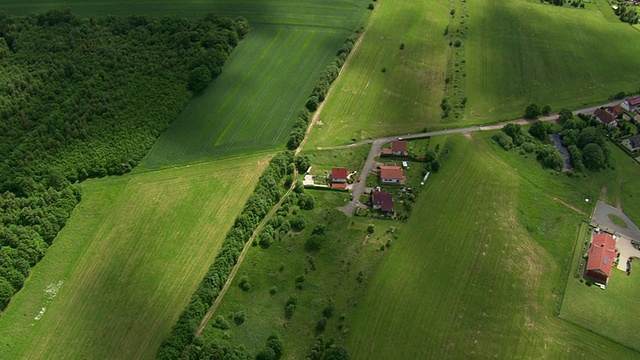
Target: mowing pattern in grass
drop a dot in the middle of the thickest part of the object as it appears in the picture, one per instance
(129, 258)
(521, 52)
(465, 279)
(368, 102)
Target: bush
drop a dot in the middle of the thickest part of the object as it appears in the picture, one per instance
(239, 318)
(314, 243)
(273, 290)
(220, 323)
(244, 283)
(298, 223)
(321, 324)
(306, 202)
(370, 7)
(327, 312)
(504, 140)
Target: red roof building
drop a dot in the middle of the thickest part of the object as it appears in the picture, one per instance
(399, 147)
(392, 175)
(339, 175)
(382, 201)
(601, 254)
(631, 104)
(616, 111)
(605, 117)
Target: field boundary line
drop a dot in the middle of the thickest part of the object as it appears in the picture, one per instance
(236, 267)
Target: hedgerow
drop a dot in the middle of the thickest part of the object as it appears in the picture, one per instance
(266, 194)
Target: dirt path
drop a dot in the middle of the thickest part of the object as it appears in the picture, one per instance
(575, 209)
(255, 233)
(316, 115)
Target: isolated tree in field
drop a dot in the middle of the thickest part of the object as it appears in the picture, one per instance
(199, 78)
(314, 243)
(532, 111)
(593, 156)
(306, 202)
(546, 110)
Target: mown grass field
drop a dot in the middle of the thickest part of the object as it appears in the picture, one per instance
(584, 305)
(467, 279)
(128, 261)
(367, 102)
(521, 52)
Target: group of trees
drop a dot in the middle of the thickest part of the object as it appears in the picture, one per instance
(320, 90)
(86, 98)
(574, 3)
(586, 140)
(626, 13)
(266, 194)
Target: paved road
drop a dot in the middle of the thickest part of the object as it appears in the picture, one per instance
(358, 188)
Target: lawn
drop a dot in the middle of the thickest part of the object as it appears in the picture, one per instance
(127, 262)
(606, 312)
(367, 102)
(523, 51)
(352, 158)
(467, 279)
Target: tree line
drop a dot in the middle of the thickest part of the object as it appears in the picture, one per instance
(266, 194)
(320, 90)
(87, 97)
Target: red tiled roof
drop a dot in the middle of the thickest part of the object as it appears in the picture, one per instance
(399, 146)
(391, 172)
(384, 200)
(634, 101)
(386, 151)
(339, 185)
(339, 173)
(615, 110)
(602, 253)
(604, 116)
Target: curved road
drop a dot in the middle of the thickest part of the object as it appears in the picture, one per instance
(358, 187)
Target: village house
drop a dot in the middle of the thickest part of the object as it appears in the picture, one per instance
(339, 178)
(382, 201)
(631, 104)
(601, 255)
(392, 175)
(632, 143)
(399, 148)
(606, 117)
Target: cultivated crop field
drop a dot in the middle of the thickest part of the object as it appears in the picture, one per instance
(124, 267)
(467, 279)
(522, 51)
(367, 102)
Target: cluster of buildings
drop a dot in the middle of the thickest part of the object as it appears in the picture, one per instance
(609, 115)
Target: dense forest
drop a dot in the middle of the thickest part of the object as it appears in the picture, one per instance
(84, 98)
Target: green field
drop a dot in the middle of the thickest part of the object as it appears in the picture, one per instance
(127, 262)
(367, 102)
(521, 52)
(603, 312)
(468, 279)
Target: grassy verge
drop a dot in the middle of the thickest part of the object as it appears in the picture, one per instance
(127, 262)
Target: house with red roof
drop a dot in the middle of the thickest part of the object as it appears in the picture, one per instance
(399, 147)
(605, 117)
(601, 255)
(382, 201)
(339, 178)
(392, 175)
(631, 104)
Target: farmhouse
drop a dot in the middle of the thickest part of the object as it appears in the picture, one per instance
(632, 143)
(382, 201)
(399, 148)
(339, 178)
(601, 255)
(392, 175)
(631, 104)
(605, 117)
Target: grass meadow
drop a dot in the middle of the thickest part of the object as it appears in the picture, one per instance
(523, 51)
(331, 272)
(367, 102)
(466, 277)
(116, 278)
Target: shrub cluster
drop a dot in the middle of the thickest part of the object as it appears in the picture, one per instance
(320, 90)
(266, 195)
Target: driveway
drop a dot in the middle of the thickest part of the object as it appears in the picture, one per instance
(601, 219)
(626, 250)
